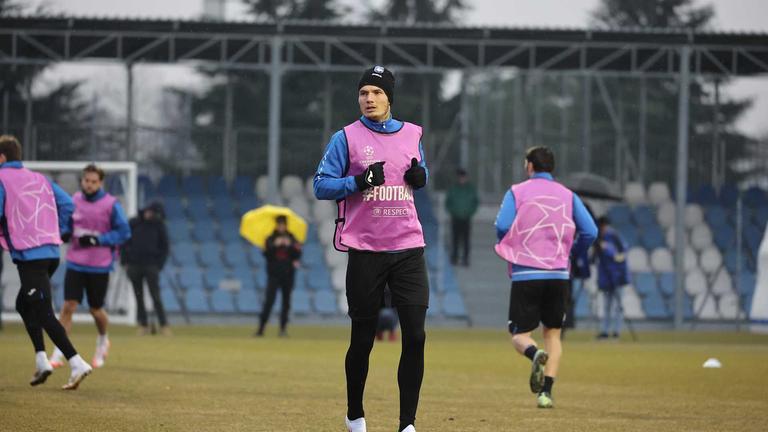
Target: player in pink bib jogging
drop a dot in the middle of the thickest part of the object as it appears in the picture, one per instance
(99, 225)
(537, 224)
(371, 168)
(34, 214)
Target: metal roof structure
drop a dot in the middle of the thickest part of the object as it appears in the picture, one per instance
(334, 46)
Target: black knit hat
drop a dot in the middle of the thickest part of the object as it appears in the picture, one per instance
(380, 77)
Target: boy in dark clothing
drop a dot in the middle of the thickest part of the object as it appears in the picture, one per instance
(282, 252)
(145, 255)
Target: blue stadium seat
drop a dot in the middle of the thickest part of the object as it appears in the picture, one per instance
(179, 232)
(248, 301)
(183, 254)
(644, 216)
(229, 230)
(204, 232)
(212, 277)
(234, 255)
(629, 233)
(655, 307)
(667, 284)
(174, 210)
(114, 185)
(217, 187)
(715, 216)
(256, 257)
(168, 186)
(724, 236)
(300, 279)
(196, 301)
(435, 304)
(706, 195)
(620, 214)
(210, 255)
(453, 305)
(243, 186)
(755, 196)
(223, 207)
(325, 302)
(645, 284)
(190, 278)
(146, 189)
(246, 278)
(197, 208)
(652, 238)
(318, 278)
(246, 203)
(312, 255)
(728, 195)
(300, 302)
(170, 302)
(222, 301)
(193, 185)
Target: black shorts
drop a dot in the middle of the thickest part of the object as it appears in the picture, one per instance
(369, 272)
(93, 284)
(537, 301)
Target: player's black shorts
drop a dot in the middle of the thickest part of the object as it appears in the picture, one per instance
(369, 272)
(535, 301)
(93, 284)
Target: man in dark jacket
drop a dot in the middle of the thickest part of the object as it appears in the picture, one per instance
(612, 275)
(282, 252)
(461, 204)
(145, 255)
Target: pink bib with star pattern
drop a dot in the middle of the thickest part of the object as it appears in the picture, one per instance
(543, 231)
(30, 210)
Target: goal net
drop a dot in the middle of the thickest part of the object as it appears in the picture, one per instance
(122, 182)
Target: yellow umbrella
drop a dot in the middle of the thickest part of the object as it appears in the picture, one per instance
(258, 224)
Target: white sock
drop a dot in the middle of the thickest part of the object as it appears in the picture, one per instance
(409, 428)
(357, 424)
(41, 361)
(57, 355)
(77, 363)
(102, 340)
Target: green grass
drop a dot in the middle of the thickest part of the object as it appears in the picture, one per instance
(221, 379)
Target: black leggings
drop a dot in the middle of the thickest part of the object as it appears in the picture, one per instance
(409, 374)
(34, 305)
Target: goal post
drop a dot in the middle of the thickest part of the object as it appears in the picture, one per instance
(121, 181)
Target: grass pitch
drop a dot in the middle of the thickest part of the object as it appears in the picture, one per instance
(222, 379)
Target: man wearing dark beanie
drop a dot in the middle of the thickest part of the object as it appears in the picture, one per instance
(379, 227)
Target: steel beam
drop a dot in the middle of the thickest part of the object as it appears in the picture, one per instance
(683, 122)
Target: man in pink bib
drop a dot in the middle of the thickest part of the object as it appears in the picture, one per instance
(380, 229)
(536, 226)
(34, 214)
(99, 225)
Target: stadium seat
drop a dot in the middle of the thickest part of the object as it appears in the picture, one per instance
(309, 188)
(262, 186)
(300, 302)
(632, 304)
(311, 255)
(644, 216)
(213, 277)
(183, 254)
(234, 255)
(755, 196)
(655, 307)
(723, 284)
(667, 284)
(179, 232)
(705, 307)
(196, 301)
(324, 212)
(319, 279)
(661, 260)
(168, 186)
(229, 231)
(620, 215)
(243, 186)
(255, 257)
(210, 255)
(190, 278)
(710, 260)
(339, 279)
(729, 306)
(694, 215)
(701, 237)
(170, 301)
(193, 186)
(634, 193)
(695, 283)
(223, 208)
(217, 187)
(335, 259)
(666, 214)
(325, 302)
(247, 301)
(222, 301)
(291, 187)
(453, 305)
(652, 237)
(637, 260)
(715, 216)
(645, 284)
(658, 193)
(583, 308)
(724, 237)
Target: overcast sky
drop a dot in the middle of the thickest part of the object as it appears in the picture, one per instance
(731, 15)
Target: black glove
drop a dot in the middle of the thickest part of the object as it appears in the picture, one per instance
(416, 176)
(88, 241)
(372, 176)
(66, 237)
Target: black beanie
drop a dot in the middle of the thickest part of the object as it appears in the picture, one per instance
(380, 77)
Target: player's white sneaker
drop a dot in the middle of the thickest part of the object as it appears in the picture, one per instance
(357, 425)
(57, 358)
(43, 369)
(80, 370)
(410, 428)
(102, 351)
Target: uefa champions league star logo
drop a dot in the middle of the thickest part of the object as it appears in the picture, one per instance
(368, 150)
